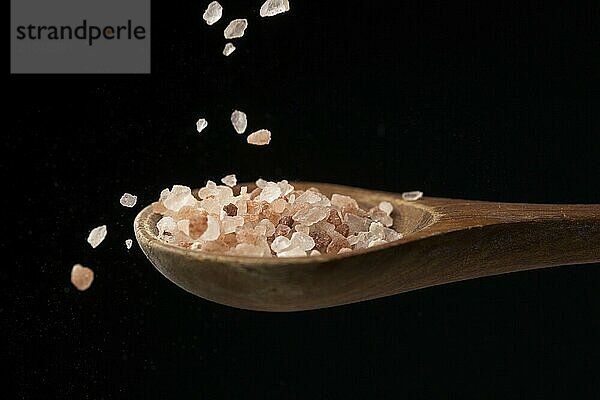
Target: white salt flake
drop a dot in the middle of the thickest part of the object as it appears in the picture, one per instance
(270, 192)
(239, 121)
(166, 224)
(213, 230)
(274, 7)
(128, 200)
(315, 253)
(229, 180)
(235, 29)
(259, 138)
(178, 197)
(377, 242)
(302, 241)
(128, 243)
(293, 252)
(81, 277)
(96, 236)
(201, 124)
(261, 183)
(228, 49)
(213, 13)
(231, 223)
(412, 196)
(386, 207)
(280, 243)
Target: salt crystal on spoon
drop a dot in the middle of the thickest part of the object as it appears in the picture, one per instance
(260, 137)
(235, 29)
(81, 277)
(96, 236)
(128, 200)
(239, 121)
(412, 196)
(213, 13)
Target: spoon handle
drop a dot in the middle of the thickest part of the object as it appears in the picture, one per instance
(494, 238)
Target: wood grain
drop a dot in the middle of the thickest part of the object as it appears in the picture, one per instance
(446, 240)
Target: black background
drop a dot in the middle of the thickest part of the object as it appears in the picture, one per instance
(491, 102)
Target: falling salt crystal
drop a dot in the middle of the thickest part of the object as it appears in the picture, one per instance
(412, 196)
(81, 277)
(280, 243)
(235, 29)
(228, 49)
(386, 207)
(128, 243)
(260, 137)
(293, 252)
(201, 124)
(128, 200)
(96, 236)
(274, 7)
(213, 13)
(229, 180)
(239, 121)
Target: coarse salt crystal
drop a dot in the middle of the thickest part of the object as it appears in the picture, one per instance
(235, 29)
(412, 196)
(128, 243)
(228, 49)
(274, 7)
(280, 243)
(213, 13)
(293, 252)
(178, 197)
(260, 137)
(96, 236)
(213, 230)
(201, 124)
(269, 193)
(386, 207)
(229, 180)
(128, 200)
(166, 224)
(81, 277)
(302, 241)
(239, 121)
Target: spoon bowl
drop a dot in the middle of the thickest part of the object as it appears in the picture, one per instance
(445, 240)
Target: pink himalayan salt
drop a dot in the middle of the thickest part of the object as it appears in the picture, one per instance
(266, 223)
(81, 277)
(259, 138)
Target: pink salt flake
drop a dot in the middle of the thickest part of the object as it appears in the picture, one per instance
(259, 138)
(81, 277)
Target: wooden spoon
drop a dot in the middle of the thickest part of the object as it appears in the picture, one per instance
(445, 240)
